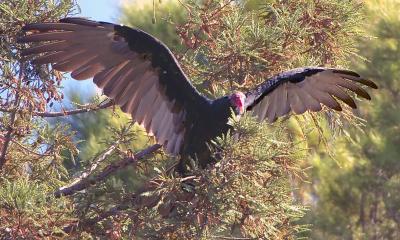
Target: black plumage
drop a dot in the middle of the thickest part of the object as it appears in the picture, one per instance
(141, 75)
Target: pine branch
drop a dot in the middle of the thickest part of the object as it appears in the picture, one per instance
(107, 171)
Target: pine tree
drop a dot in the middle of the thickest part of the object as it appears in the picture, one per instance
(30, 158)
(226, 45)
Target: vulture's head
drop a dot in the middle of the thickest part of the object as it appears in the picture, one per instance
(237, 101)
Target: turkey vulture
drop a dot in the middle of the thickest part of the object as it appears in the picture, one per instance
(144, 78)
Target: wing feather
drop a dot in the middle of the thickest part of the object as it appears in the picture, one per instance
(145, 104)
(171, 142)
(337, 92)
(57, 57)
(295, 100)
(271, 107)
(130, 87)
(54, 26)
(119, 81)
(149, 83)
(151, 113)
(178, 143)
(102, 79)
(285, 104)
(49, 47)
(86, 71)
(136, 70)
(322, 96)
(263, 108)
(354, 88)
(163, 131)
(303, 89)
(156, 124)
(310, 103)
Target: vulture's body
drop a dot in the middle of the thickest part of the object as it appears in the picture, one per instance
(143, 77)
(204, 127)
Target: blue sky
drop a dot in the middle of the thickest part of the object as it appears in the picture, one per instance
(102, 10)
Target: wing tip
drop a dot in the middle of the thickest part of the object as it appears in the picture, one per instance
(369, 83)
(357, 76)
(346, 72)
(351, 104)
(337, 108)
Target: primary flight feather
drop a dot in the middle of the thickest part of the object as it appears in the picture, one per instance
(144, 78)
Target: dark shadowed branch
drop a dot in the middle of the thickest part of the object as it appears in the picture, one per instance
(108, 170)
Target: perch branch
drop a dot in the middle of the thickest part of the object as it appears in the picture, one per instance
(108, 170)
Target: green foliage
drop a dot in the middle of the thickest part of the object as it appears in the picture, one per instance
(28, 212)
(25, 89)
(252, 181)
(32, 164)
(231, 46)
(360, 201)
(246, 194)
(157, 18)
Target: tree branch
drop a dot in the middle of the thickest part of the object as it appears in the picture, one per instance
(13, 117)
(108, 170)
(84, 109)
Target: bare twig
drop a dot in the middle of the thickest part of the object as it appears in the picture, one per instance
(108, 170)
(84, 109)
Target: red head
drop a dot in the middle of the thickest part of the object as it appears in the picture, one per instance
(237, 101)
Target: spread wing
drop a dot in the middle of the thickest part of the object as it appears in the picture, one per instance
(303, 89)
(133, 68)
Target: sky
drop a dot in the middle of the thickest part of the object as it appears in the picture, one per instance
(101, 10)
